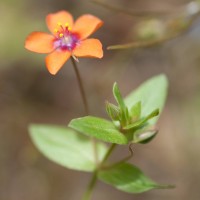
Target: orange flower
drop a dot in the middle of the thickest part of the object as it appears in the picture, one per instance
(68, 39)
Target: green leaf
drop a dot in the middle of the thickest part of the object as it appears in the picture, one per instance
(152, 114)
(118, 96)
(99, 128)
(128, 178)
(120, 101)
(66, 147)
(142, 122)
(135, 111)
(152, 94)
(136, 125)
(113, 111)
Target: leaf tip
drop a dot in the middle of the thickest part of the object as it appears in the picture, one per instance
(164, 78)
(31, 128)
(166, 186)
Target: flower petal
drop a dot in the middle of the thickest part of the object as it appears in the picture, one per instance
(89, 48)
(61, 17)
(40, 42)
(86, 25)
(56, 60)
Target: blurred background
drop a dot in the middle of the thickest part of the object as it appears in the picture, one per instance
(29, 94)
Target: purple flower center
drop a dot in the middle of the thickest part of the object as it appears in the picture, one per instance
(65, 39)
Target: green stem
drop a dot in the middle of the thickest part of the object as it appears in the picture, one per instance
(80, 84)
(83, 95)
(90, 187)
(92, 183)
(93, 180)
(121, 161)
(110, 150)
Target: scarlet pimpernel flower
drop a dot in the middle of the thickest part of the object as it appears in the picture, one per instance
(68, 38)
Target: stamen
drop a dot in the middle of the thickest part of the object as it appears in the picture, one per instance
(61, 35)
(65, 39)
(68, 28)
(59, 24)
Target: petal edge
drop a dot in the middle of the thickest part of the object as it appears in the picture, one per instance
(39, 42)
(56, 60)
(86, 25)
(89, 48)
(62, 17)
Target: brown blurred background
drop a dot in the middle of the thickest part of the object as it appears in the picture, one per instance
(29, 94)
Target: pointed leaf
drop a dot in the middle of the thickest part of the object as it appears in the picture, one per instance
(135, 111)
(113, 111)
(152, 94)
(141, 122)
(128, 178)
(118, 96)
(134, 126)
(120, 101)
(152, 114)
(65, 147)
(99, 128)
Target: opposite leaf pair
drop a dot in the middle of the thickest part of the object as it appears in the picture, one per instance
(70, 149)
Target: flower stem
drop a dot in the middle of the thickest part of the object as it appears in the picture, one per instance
(110, 150)
(83, 95)
(80, 84)
(93, 180)
(87, 194)
(90, 187)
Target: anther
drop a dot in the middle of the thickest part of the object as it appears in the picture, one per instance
(59, 24)
(61, 35)
(55, 30)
